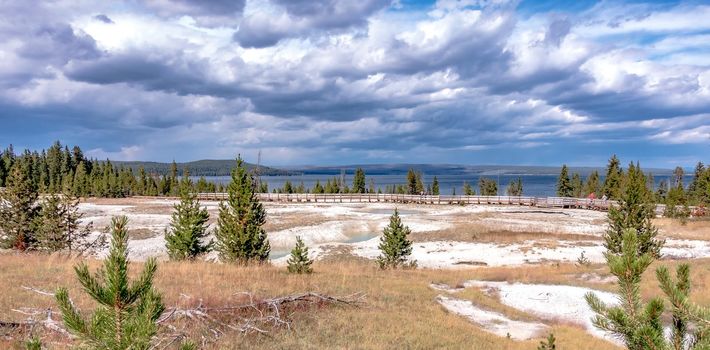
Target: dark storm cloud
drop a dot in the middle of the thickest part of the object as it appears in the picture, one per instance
(444, 84)
(208, 13)
(103, 18)
(304, 17)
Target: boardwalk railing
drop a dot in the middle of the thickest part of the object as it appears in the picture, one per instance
(545, 202)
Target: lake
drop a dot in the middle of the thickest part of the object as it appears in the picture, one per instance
(533, 185)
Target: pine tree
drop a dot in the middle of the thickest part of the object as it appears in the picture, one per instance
(676, 202)
(638, 324)
(487, 187)
(128, 311)
(411, 182)
(467, 189)
(18, 208)
(174, 184)
(419, 182)
(359, 181)
(515, 187)
(394, 246)
(635, 211)
(695, 186)
(58, 226)
(79, 186)
(548, 344)
(239, 233)
(614, 176)
(576, 186)
(435, 186)
(188, 226)
(299, 262)
(317, 188)
(564, 185)
(690, 328)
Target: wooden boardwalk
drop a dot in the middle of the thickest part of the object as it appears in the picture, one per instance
(542, 202)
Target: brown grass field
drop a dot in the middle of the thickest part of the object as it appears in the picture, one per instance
(399, 311)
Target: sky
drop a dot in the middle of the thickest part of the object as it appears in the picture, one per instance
(333, 82)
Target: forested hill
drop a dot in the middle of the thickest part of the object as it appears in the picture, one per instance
(452, 169)
(207, 167)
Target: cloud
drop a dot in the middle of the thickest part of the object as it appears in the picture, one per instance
(337, 81)
(208, 13)
(103, 18)
(281, 19)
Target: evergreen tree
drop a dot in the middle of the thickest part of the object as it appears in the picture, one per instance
(173, 184)
(394, 246)
(288, 187)
(79, 186)
(576, 186)
(487, 187)
(419, 182)
(678, 174)
(515, 187)
(614, 176)
(188, 225)
(263, 187)
(435, 186)
(695, 186)
(548, 344)
(637, 324)
(317, 188)
(18, 208)
(635, 211)
(676, 202)
(299, 262)
(690, 326)
(239, 233)
(371, 187)
(467, 189)
(564, 185)
(127, 313)
(359, 181)
(702, 191)
(58, 226)
(411, 181)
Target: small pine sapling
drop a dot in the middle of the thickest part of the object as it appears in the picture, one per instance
(394, 246)
(128, 311)
(299, 262)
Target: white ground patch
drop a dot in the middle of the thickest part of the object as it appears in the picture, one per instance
(359, 226)
(492, 321)
(551, 302)
(450, 254)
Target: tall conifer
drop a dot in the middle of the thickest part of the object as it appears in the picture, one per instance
(185, 238)
(635, 210)
(18, 208)
(395, 247)
(239, 235)
(564, 184)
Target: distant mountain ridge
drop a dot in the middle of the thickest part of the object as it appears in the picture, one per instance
(454, 169)
(205, 167)
(223, 167)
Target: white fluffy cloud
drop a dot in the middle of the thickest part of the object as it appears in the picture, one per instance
(343, 81)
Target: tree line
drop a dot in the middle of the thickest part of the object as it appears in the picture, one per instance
(675, 194)
(59, 169)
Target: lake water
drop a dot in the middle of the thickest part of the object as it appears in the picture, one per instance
(533, 185)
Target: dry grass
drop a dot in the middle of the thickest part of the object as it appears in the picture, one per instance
(694, 229)
(400, 313)
(473, 231)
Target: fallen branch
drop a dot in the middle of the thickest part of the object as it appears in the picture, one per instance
(254, 316)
